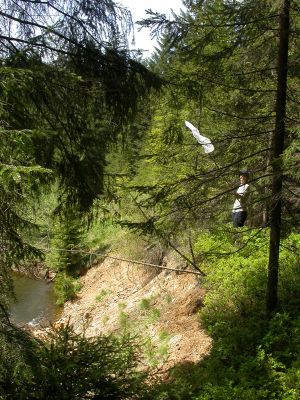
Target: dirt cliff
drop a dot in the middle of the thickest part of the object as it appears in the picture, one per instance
(160, 305)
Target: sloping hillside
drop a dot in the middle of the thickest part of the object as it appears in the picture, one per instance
(160, 305)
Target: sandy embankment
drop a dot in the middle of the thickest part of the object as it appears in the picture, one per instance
(159, 304)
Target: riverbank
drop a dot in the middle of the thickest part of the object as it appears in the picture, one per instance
(36, 270)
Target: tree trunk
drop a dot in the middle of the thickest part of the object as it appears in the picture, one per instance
(276, 162)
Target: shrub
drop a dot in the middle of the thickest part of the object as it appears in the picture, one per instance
(66, 288)
(253, 357)
(71, 366)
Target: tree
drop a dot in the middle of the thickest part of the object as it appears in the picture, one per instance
(277, 151)
(58, 26)
(223, 56)
(69, 89)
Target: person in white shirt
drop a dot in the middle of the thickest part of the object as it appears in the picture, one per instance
(239, 210)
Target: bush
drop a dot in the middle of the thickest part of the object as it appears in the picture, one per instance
(253, 357)
(71, 366)
(66, 288)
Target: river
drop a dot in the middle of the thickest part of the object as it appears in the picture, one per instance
(35, 304)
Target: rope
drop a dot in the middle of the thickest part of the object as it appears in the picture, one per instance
(90, 253)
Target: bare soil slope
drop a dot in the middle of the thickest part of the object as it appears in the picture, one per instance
(160, 305)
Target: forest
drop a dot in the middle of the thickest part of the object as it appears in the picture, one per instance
(95, 156)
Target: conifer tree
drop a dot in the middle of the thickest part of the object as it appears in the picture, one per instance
(222, 58)
(69, 89)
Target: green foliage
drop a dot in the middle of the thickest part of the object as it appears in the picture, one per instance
(68, 365)
(19, 179)
(151, 312)
(145, 304)
(289, 274)
(68, 256)
(63, 120)
(17, 360)
(222, 77)
(156, 351)
(237, 281)
(123, 318)
(104, 233)
(242, 290)
(68, 245)
(252, 357)
(101, 296)
(66, 288)
(154, 348)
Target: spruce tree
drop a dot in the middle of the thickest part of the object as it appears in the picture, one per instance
(228, 60)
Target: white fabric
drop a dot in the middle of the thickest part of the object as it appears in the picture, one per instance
(204, 141)
(240, 203)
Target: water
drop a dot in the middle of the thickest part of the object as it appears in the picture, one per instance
(35, 303)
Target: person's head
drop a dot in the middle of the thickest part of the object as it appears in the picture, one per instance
(244, 176)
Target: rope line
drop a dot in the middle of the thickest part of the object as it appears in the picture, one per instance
(181, 271)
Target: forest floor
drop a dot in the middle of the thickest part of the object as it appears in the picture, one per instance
(161, 306)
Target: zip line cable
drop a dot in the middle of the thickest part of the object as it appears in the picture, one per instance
(90, 253)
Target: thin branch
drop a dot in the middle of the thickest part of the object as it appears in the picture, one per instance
(238, 116)
(77, 20)
(37, 25)
(30, 43)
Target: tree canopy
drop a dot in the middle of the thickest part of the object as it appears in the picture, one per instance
(95, 134)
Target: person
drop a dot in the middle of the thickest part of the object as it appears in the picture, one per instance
(239, 210)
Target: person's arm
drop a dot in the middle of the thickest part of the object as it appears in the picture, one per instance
(242, 192)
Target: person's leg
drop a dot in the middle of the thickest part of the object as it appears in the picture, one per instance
(239, 218)
(235, 219)
(243, 218)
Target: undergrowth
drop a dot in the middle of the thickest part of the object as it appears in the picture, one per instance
(69, 366)
(253, 357)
